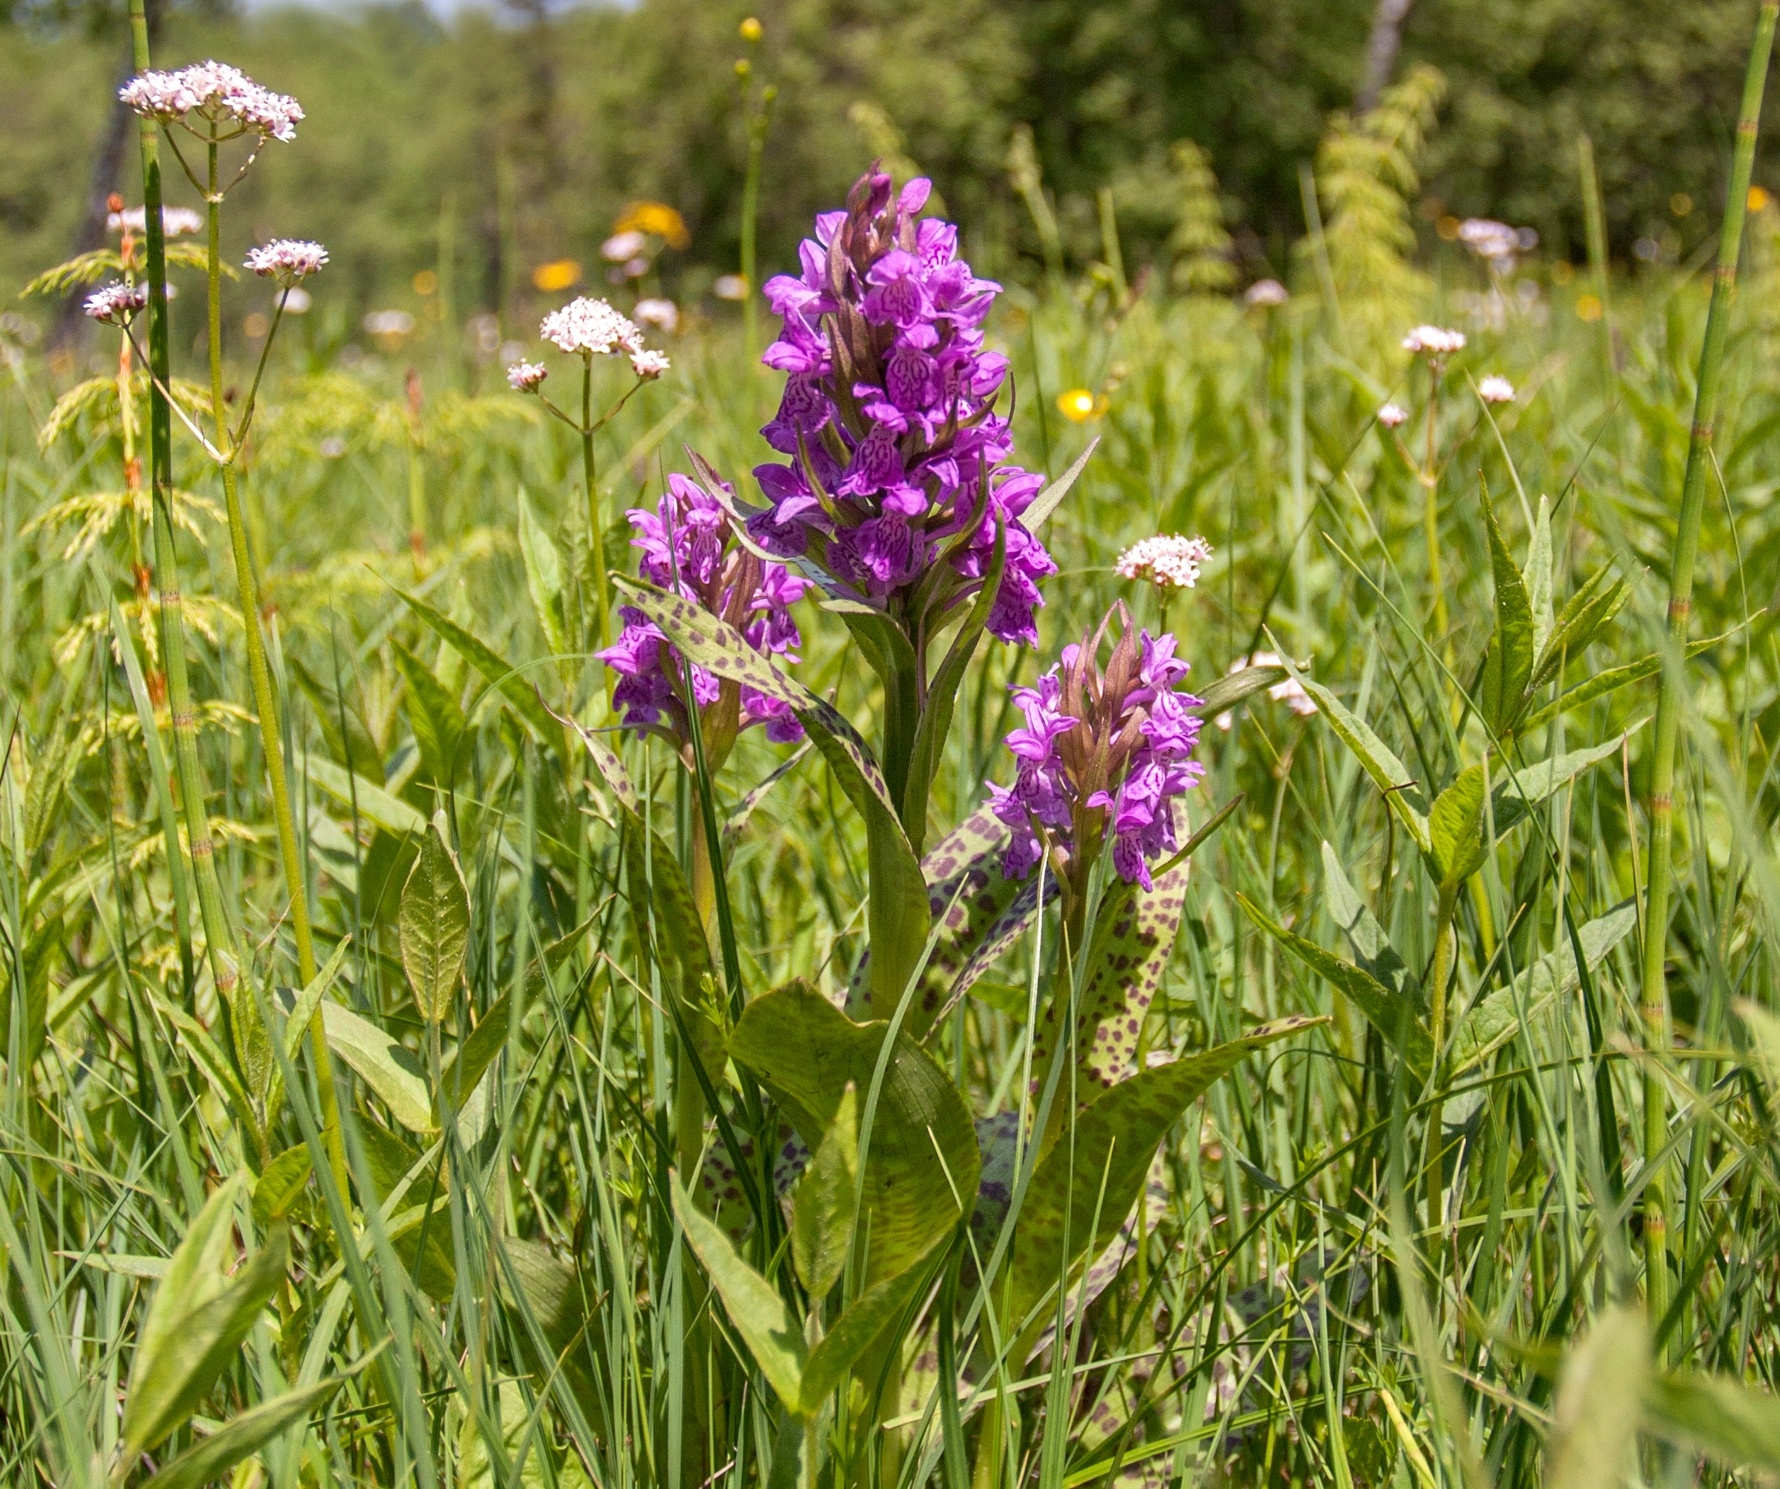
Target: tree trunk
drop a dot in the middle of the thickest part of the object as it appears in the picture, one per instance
(1381, 52)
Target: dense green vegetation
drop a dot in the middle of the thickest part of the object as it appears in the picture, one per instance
(408, 1076)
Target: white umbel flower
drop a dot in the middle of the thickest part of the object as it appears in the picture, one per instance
(176, 222)
(525, 377)
(1266, 293)
(1495, 389)
(1435, 341)
(648, 365)
(1391, 415)
(592, 328)
(216, 92)
(116, 304)
(287, 259)
(1167, 561)
(662, 313)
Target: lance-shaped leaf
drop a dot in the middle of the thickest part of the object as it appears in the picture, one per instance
(753, 1304)
(512, 684)
(826, 1201)
(247, 1433)
(1372, 948)
(383, 1063)
(433, 714)
(280, 1185)
(922, 1163)
(1537, 576)
(1047, 501)
(666, 915)
(1600, 684)
(1508, 668)
(1084, 1187)
(1388, 773)
(1393, 1015)
(551, 1307)
(1493, 1021)
(1226, 692)
(855, 1330)
(365, 798)
(197, 1319)
(1725, 1418)
(897, 916)
(1455, 828)
(543, 577)
(1515, 793)
(464, 1066)
(1595, 602)
(435, 924)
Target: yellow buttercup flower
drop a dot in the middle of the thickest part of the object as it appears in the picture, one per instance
(751, 29)
(657, 218)
(1078, 405)
(1758, 198)
(557, 275)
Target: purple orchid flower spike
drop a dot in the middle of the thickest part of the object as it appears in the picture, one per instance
(688, 546)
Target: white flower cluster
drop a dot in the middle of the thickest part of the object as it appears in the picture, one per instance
(663, 313)
(592, 328)
(216, 91)
(1495, 389)
(1266, 293)
(1497, 241)
(1290, 692)
(176, 222)
(116, 303)
(1167, 561)
(648, 365)
(524, 377)
(1391, 415)
(287, 259)
(1436, 341)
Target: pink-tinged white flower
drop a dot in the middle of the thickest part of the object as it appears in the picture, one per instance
(1495, 389)
(648, 365)
(1266, 293)
(590, 327)
(217, 93)
(1489, 239)
(526, 377)
(287, 259)
(116, 304)
(1434, 341)
(662, 313)
(176, 222)
(1392, 415)
(621, 246)
(1167, 561)
(1289, 692)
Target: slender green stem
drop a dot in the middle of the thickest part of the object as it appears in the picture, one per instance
(1668, 708)
(264, 698)
(596, 537)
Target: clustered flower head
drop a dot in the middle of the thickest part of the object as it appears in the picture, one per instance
(1489, 239)
(688, 546)
(1391, 415)
(591, 328)
(217, 93)
(116, 304)
(1288, 691)
(1434, 341)
(287, 259)
(1167, 561)
(526, 377)
(1495, 389)
(1266, 293)
(648, 365)
(1102, 753)
(176, 222)
(897, 475)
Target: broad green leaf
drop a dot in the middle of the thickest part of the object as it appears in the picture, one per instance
(667, 918)
(280, 1185)
(1047, 501)
(247, 1433)
(1537, 576)
(1225, 693)
(1372, 948)
(552, 1311)
(409, 1226)
(512, 684)
(826, 1201)
(433, 714)
(1084, 1187)
(897, 915)
(855, 1330)
(368, 800)
(1455, 828)
(922, 1166)
(543, 577)
(464, 1067)
(1388, 773)
(197, 1319)
(752, 1303)
(1516, 793)
(1600, 1401)
(1492, 1021)
(1508, 667)
(392, 1071)
(1725, 1418)
(435, 924)
(1391, 1013)
(942, 691)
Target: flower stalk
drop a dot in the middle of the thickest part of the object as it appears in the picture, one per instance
(1659, 858)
